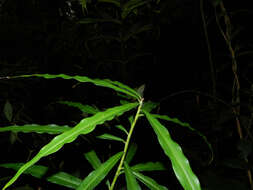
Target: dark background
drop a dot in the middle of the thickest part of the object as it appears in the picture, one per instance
(160, 44)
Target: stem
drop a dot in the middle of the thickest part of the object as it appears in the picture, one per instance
(126, 146)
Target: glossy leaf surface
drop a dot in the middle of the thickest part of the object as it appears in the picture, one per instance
(96, 176)
(29, 128)
(38, 171)
(130, 178)
(187, 125)
(180, 164)
(107, 136)
(148, 166)
(149, 182)
(86, 126)
(93, 159)
(117, 86)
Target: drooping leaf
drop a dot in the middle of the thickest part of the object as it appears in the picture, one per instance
(8, 111)
(149, 182)
(120, 127)
(130, 153)
(86, 126)
(180, 164)
(99, 82)
(130, 178)
(107, 136)
(83, 108)
(38, 171)
(29, 128)
(96, 176)
(184, 124)
(149, 166)
(93, 159)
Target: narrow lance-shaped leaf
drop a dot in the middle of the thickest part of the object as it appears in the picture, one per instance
(123, 86)
(95, 162)
(99, 82)
(87, 125)
(38, 171)
(93, 159)
(184, 124)
(96, 176)
(131, 153)
(180, 164)
(120, 127)
(132, 184)
(107, 136)
(29, 128)
(83, 108)
(148, 166)
(149, 182)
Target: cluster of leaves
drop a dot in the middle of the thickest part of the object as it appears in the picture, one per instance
(68, 134)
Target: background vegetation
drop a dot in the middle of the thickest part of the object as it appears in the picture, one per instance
(195, 58)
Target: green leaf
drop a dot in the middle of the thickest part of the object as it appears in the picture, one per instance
(120, 127)
(83, 108)
(130, 153)
(104, 83)
(149, 166)
(180, 164)
(107, 136)
(95, 162)
(149, 182)
(131, 119)
(84, 6)
(86, 126)
(123, 86)
(174, 120)
(29, 128)
(184, 124)
(65, 179)
(38, 171)
(8, 111)
(96, 176)
(93, 159)
(141, 89)
(130, 178)
(149, 106)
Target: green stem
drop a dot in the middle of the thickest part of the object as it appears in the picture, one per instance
(126, 146)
